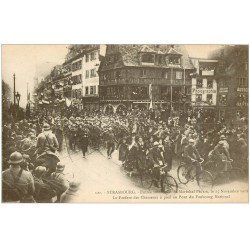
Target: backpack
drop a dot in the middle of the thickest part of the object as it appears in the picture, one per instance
(12, 192)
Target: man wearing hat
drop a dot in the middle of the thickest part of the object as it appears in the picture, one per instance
(46, 141)
(156, 160)
(220, 155)
(224, 140)
(58, 180)
(83, 133)
(18, 184)
(192, 157)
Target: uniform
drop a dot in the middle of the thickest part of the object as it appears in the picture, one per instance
(46, 141)
(25, 183)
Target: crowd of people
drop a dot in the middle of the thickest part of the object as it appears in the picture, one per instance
(144, 138)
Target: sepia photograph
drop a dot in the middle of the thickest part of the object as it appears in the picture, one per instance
(125, 123)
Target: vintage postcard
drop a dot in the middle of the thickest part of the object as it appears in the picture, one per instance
(125, 123)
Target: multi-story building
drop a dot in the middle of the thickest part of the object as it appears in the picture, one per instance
(232, 79)
(81, 79)
(91, 65)
(138, 75)
(204, 85)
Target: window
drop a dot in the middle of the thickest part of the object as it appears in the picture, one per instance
(118, 74)
(210, 84)
(199, 84)
(161, 59)
(80, 78)
(92, 73)
(210, 98)
(198, 98)
(139, 93)
(87, 74)
(223, 99)
(164, 74)
(242, 100)
(174, 60)
(86, 90)
(148, 58)
(87, 58)
(179, 75)
(143, 72)
(92, 56)
(92, 90)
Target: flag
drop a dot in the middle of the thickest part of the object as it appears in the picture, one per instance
(151, 104)
(68, 102)
(150, 91)
(150, 96)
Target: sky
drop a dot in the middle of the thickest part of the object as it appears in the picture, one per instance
(29, 61)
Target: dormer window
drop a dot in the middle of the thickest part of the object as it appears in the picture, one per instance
(174, 60)
(148, 58)
(174, 57)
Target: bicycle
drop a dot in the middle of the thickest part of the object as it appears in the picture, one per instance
(187, 173)
(166, 181)
(229, 173)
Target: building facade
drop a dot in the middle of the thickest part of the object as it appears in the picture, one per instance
(232, 80)
(79, 82)
(204, 85)
(145, 76)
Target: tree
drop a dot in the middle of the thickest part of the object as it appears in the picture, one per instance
(6, 99)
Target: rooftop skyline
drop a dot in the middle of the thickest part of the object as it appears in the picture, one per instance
(30, 61)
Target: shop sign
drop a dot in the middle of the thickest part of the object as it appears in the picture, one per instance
(207, 72)
(245, 90)
(204, 91)
(223, 90)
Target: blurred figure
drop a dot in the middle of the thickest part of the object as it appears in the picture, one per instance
(72, 194)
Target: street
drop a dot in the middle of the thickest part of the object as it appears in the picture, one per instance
(100, 176)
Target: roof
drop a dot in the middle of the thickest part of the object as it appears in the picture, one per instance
(172, 51)
(146, 49)
(131, 55)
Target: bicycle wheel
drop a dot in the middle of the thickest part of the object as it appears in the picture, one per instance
(182, 174)
(146, 178)
(205, 180)
(170, 184)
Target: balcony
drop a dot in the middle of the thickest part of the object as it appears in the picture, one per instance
(146, 81)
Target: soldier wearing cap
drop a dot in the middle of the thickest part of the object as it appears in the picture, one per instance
(43, 191)
(46, 141)
(18, 184)
(58, 180)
